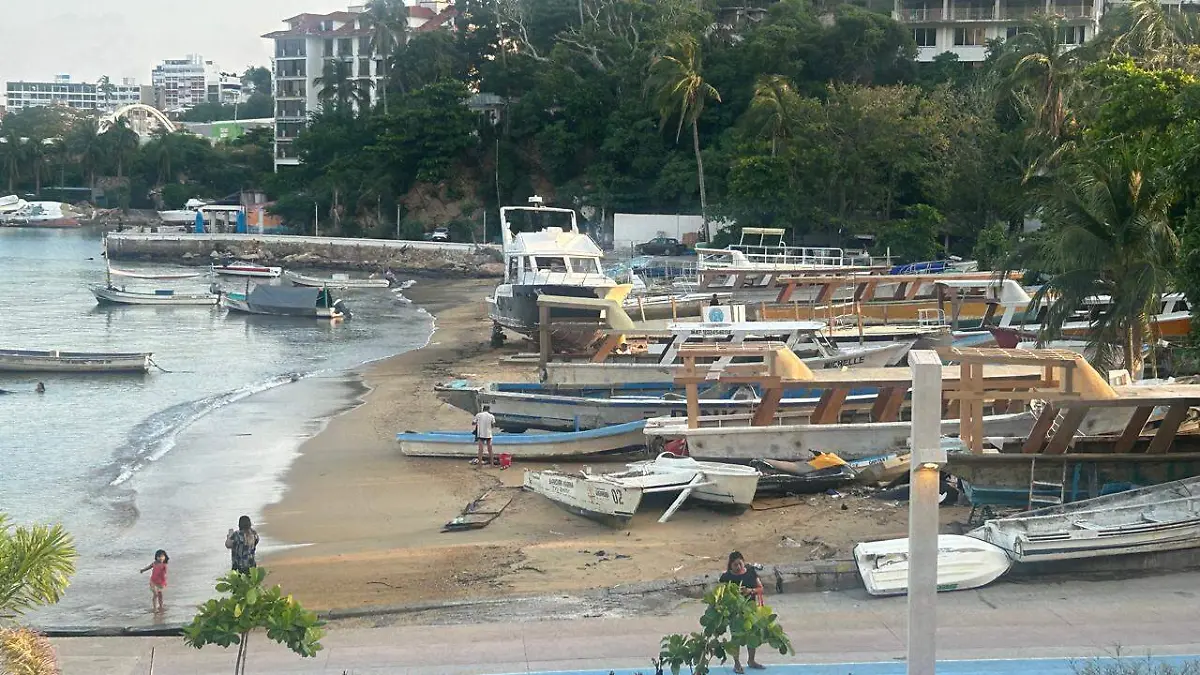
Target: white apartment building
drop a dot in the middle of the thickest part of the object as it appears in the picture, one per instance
(79, 95)
(309, 41)
(180, 84)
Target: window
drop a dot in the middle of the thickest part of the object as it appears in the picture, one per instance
(925, 37)
(969, 37)
(345, 47)
(1071, 35)
(328, 51)
(364, 46)
(584, 266)
(364, 68)
(512, 269)
(528, 264)
(547, 264)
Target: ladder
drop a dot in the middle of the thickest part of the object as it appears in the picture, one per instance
(1037, 488)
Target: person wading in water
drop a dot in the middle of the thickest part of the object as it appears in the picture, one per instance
(241, 544)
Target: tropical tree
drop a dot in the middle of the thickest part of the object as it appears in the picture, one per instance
(106, 88)
(1044, 73)
(11, 158)
(24, 651)
(36, 564)
(340, 90)
(773, 108)
(731, 621)
(388, 21)
(87, 148)
(680, 93)
(120, 144)
(246, 606)
(1109, 234)
(1157, 38)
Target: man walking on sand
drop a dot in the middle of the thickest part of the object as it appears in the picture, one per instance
(483, 434)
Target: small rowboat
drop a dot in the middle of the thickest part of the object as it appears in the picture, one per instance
(119, 296)
(27, 361)
(962, 563)
(158, 277)
(527, 446)
(335, 281)
(239, 270)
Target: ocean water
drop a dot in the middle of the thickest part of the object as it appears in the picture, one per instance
(131, 463)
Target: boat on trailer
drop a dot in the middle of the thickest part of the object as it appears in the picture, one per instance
(342, 281)
(549, 445)
(29, 361)
(1145, 520)
(962, 563)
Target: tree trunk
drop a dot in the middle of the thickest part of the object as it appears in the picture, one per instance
(700, 175)
(383, 85)
(245, 652)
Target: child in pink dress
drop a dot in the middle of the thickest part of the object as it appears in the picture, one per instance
(158, 578)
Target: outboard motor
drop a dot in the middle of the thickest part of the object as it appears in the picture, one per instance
(340, 306)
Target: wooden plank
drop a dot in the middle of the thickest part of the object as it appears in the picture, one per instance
(1037, 435)
(890, 411)
(1133, 430)
(785, 293)
(609, 345)
(1002, 394)
(544, 334)
(1166, 431)
(693, 405)
(829, 408)
(764, 414)
(1066, 430)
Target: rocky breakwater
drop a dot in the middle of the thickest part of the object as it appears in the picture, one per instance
(369, 255)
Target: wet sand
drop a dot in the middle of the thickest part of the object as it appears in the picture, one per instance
(367, 519)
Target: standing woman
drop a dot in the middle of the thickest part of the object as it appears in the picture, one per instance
(736, 571)
(241, 544)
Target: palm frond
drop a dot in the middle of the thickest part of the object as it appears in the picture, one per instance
(36, 564)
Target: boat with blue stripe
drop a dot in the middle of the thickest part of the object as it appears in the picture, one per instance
(544, 445)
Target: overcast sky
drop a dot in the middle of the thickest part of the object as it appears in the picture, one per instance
(126, 38)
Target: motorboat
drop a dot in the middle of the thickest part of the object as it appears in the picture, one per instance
(28, 361)
(342, 281)
(41, 214)
(541, 258)
(730, 484)
(962, 563)
(1144, 520)
(184, 216)
(247, 270)
(318, 303)
(763, 249)
(111, 294)
(526, 445)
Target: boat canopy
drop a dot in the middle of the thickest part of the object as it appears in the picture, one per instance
(283, 299)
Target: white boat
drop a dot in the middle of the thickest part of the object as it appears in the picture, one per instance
(335, 281)
(162, 297)
(543, 259)
(11, 203)
(317, 303)
(731, 484)
(802, 337)
(526, 446)
(28, 361)
(184, 216)
(1157, 518)
(247, 270)
(962, 563)
(769, 252)
(41, 214)
(166, 276)
(594, 497)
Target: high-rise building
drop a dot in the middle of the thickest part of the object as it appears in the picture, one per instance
(180, 84)
(309, 41)
(105, 96)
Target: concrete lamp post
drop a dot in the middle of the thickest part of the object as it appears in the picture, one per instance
(928, 457)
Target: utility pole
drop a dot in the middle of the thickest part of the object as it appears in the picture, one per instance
(316, 220)
(397, 222)
(928, 457)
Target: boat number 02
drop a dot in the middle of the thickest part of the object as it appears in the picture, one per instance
(617, 496)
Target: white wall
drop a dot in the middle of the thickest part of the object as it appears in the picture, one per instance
(630, 229)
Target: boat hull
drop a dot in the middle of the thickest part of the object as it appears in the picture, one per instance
(239, 305)
(118, 297)
(515, 306)
(590, 497)
(334, 282)
(726, 484)
(962, 563)
(526, 446)
(21, 361)
(248, 271)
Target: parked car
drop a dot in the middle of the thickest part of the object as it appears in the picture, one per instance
(440, 234)
(662, 246)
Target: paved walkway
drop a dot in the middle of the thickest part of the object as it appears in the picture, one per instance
(1015, 622)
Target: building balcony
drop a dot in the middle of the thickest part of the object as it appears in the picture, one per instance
(988, 13)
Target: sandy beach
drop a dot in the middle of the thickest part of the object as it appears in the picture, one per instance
(367, 519)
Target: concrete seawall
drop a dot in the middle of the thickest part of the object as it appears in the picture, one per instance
(373, 255)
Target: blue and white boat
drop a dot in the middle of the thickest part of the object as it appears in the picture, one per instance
(546, 445)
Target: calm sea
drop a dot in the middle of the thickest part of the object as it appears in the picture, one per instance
(130, 464)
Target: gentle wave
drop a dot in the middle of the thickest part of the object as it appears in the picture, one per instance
(154, 437)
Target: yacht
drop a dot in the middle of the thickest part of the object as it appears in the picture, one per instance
(184, 216)
(544, 254)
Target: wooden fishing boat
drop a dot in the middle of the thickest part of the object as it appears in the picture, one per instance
(962, 563)
(163, 297)
(335, 281)
(802, 478)
(526, 446)
(730, 484)
(1145, 520)
(594, 497)
(27, 361)
(247, 270)
(316, 303)
(166, 276)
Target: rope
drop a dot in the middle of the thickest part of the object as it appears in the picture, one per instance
(169, 371)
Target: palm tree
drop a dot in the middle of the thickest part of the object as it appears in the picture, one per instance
(773, 108)
(36, 564)
(1157, 38)
(87, 147)
(1109, 233)
(11, 158)
(106, 88)
(681, 92)
(121, 144)
(37, 151)
(339, 87)
(388, 21)
(1047, 68)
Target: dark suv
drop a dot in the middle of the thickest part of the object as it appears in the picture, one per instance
(662, 246)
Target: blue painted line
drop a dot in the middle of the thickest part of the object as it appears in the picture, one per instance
(1057, 666)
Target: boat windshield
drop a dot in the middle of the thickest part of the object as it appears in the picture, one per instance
(585, 265)
(548, 264)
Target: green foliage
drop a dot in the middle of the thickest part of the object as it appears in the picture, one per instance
(247, 606)
(993, 247)
(914, 238)
(731, 620)
(36, 564)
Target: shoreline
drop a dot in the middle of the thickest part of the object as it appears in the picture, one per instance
(363, 523)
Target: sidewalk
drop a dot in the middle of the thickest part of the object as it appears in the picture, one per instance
(1007, 621)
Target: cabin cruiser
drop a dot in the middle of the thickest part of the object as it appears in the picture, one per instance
(543, 259)
(184, 216)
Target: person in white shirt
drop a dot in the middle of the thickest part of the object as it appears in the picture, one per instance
(483, 434)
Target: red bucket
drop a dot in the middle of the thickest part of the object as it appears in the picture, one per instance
(505, 460)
